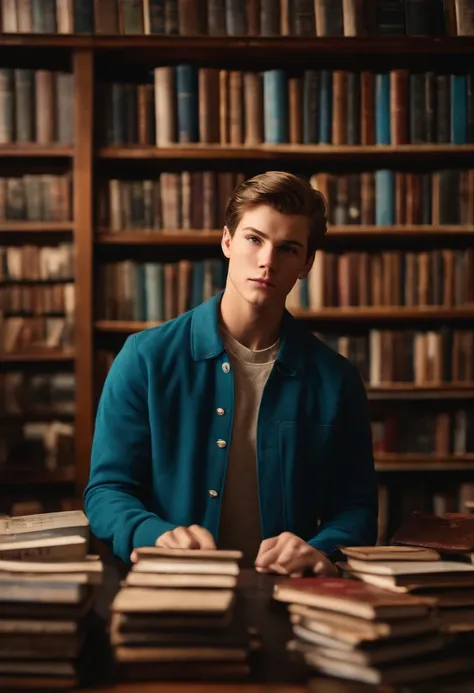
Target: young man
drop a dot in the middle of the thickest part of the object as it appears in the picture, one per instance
(232, 425)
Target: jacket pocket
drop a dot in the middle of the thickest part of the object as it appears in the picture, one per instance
(305, 455)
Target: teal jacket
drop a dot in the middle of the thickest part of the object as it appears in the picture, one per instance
(156, 463)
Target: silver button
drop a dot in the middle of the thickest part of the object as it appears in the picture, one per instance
(221, 443)
(220, 411)
(212, 493)
(226, 367)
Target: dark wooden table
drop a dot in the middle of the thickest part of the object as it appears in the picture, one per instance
(276, 670)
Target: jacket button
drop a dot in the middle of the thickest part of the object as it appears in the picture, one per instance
(212, 493)
(226, 367)
(220, 411)
(221, 443)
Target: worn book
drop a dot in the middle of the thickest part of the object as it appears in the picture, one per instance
(390, 553)
(351, 597)
(185, 581)
(375, 653)
(44, 524)
(409, 567)
(46, 549)
(403, 584)
(355, 631)
(147, 552)
(144, 600)
(187, 566)
(448, 533)
(413, 670)
(90, 564)
(43, 592)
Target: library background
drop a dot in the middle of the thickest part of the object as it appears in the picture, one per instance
(124, 128)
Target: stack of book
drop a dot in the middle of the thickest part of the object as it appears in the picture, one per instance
(450, 582)
(175, 617)
(352, 630)
(48, 584)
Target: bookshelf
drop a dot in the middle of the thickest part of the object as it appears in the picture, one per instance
(96, 60)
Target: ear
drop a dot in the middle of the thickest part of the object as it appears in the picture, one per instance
(307, 267)
(226, 242)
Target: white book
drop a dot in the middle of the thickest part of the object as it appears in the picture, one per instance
(38, 567)
(47, 549)
(409, 567)
(185, 566)
(44, 525)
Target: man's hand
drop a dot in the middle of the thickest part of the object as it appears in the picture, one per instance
(193, 537)
(287, 554)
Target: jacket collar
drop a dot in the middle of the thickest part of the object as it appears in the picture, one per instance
(206, 341)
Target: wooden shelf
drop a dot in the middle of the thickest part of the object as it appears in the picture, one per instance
(413, 462)
(44, 355)
(213, 236)
(285, 151)
(176, 46)
(391, 313)
(31, 149)
(24, 475)
(410, 391)
(125, 326)
(154, 237)
(331, 314)
(36, 226)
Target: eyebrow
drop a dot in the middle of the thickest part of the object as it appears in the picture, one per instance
(265, 235)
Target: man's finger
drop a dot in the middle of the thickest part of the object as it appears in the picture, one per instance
(291, 550)
(184, 538)
(133, 556)
(269, 557)
(203, 537)
(265, 546)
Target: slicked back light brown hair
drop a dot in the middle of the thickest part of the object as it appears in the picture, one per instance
(287, 194)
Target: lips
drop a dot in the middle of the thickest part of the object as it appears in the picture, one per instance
(263, 282)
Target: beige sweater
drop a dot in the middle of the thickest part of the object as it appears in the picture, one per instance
(240, 515)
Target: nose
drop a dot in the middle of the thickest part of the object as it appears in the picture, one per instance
(267, 258)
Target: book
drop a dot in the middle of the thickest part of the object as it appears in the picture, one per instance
(91, 564)
(390, 553)
(187, 566)
(44, 524)
(141, 579)
(351, 597)
(409, 567)
(46, 549)
(146, 552)
(354, 630)
(143, 600)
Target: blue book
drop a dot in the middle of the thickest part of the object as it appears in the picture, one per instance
(197, 283)
(188, 103)
(304, 293)
(384, 198)
(275, 106)
(458, 109)
(325, 107)
(382, 109)
(154, 288)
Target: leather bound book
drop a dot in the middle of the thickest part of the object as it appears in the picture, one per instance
(449, 533)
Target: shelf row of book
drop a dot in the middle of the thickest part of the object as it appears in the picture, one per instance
(41, 334)
(37, 394)
(238, 17)
(36, 106)
(197, 199)
(188, 103)
(39, 445)
(411, 431)
(36, 197)
(40, 299)
(156, 291)
(386, 358)
(37, 263)
(408, 356)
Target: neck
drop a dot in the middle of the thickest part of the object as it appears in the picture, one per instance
(254, 328)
